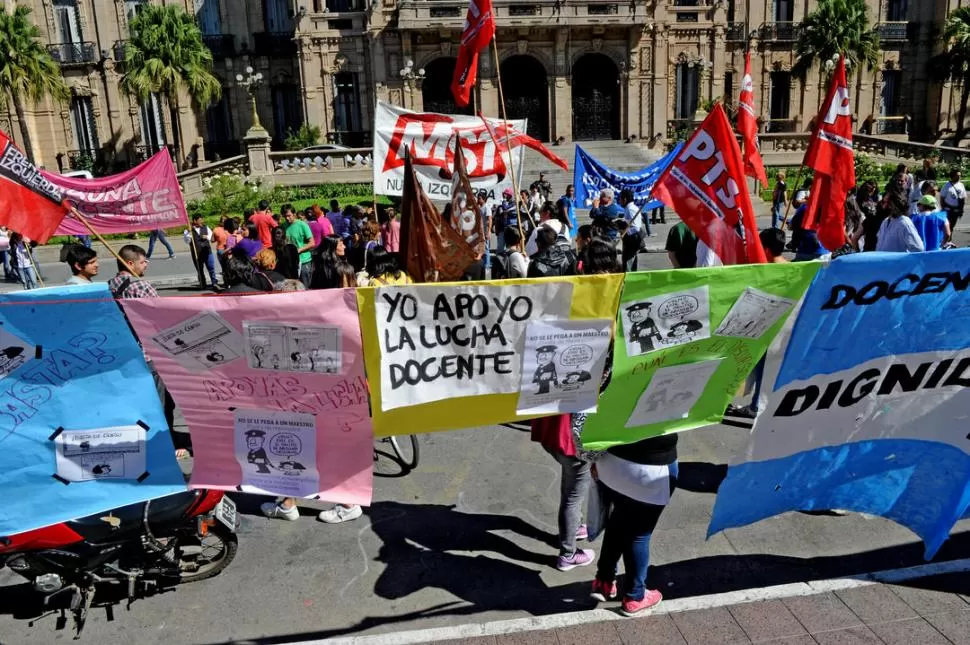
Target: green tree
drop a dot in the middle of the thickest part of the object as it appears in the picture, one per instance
(954, 63)
(306, 136)
(835, 27)
(166, 55)
(27, 71)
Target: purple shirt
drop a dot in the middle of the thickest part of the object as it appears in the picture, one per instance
(317, 229)
(251, 247)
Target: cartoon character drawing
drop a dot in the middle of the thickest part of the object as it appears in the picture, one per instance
(85, 446)
(257, 454)
(259, 353)
(575, 380)
(643, 330)
(9, 357)
(546, 372)
(291, 468)
(685, 329)
(275, 361)
(214, 357)
(101, 469)
(329, 365)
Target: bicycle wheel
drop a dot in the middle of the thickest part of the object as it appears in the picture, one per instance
(407, 450)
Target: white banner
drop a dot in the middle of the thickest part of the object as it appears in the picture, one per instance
(430, 138)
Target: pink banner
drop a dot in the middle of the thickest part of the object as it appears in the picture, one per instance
(272, 388)
(141, 199)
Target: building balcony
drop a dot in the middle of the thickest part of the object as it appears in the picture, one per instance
(351, 139)
(79, 159)
(119, 50)
(781, 32)
(897, 32)
(781, 126)
(270, 43)
(736, 32)
(433, 15)
(221, 45)
(73, 53)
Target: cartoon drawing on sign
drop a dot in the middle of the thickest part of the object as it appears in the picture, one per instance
(753, 314)
(546, 372)
(100, 453)
(291, 348)
(15, 352)
(672, 392)
(257, 454)
(563, 377)
(204, 341)
(679, 318)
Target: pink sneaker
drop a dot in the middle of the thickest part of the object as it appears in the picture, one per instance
(581, 558)
(603, 591)
(633, 607)
(582, 533)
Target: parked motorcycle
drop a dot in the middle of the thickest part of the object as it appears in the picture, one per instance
(149, 546)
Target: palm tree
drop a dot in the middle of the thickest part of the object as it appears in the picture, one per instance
(27, 71)
(166, 55)
(836, 27)
(954, 63)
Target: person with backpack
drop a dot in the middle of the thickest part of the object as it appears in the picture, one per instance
(554, 258)
(510, 262)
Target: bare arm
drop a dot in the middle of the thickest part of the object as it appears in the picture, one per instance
(673, 259)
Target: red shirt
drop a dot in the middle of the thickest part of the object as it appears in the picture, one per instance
(264, 225)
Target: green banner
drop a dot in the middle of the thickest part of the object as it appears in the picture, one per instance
(686, 340)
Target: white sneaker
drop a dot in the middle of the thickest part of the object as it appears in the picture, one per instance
(274, 510)
(339, 514)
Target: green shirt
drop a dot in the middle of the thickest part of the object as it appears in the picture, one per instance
(299, 234)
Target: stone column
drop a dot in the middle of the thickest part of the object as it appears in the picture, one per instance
(257, 144)
(658, 124)
(719, 58)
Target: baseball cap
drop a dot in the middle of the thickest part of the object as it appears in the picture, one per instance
(928, 200)
(507, 192)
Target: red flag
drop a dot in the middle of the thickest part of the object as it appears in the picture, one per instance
(748, 127)
(29, 203)
(705, 185)
(466, 216)
(507, 137)
(830, 155)
(479, 30)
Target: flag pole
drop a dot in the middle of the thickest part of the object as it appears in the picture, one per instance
(87, 225)
(505, 119)
(30, 256)
(795, 189)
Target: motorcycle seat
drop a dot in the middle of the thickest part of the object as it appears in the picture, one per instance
(128, 519)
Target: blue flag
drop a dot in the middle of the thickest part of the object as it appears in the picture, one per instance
(81, 426)
(868, 411)
(590, 177)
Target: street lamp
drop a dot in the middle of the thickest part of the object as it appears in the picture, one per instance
(251, 82)
(409, 75)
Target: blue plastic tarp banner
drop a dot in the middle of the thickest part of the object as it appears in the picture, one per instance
(81, 426)
(868, 411)
(590, 177)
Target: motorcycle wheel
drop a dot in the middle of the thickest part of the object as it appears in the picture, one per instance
(206, 557)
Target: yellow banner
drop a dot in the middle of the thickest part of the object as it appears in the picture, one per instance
(440, 351)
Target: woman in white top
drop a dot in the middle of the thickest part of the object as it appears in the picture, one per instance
(550, 217)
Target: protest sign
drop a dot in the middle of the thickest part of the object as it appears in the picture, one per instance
(671, 372)
(286, 414)
(868, 409)
(141, 199)
(81, 426)
(449, 355)
(430, 139)
(590, 176)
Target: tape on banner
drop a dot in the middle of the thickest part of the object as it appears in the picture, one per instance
(53, 436)
(143, 477)
(143, 425)
(38, 351)
(60, 479)
(239, 488)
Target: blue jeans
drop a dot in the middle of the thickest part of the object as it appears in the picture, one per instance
(5, 258)
(159, 235)
(27, 278)
(572, 498)
(754, 380)
(777, 214)
(627, 534)
(85, 241)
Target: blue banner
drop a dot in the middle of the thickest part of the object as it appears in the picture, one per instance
(81, 426)
(590, 177)
(868, 411)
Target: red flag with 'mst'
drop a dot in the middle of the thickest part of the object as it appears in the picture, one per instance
(479, 30)
(29, 203)
(748, 127)
(705, 185)
(830, 155)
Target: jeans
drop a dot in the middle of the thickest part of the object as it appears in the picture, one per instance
(500, 241)
(205, 259)
(5, 258)
(85, 241)
(754, 381)
(306, 273)
(159, 235)
(572, 496)
(658, 211)
(27, 277)
(777, 214)
(627, 535)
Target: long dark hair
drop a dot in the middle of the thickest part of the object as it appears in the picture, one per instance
(381, 263)
(325, 264)
(252, 232)
(279, 241)
(241, 270)
(600, 257)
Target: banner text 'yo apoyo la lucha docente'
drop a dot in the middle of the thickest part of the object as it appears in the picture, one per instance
(430, 138)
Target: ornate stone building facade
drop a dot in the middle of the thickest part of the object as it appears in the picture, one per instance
(577, 69)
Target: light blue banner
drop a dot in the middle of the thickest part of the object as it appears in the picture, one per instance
(69, 362)
(590, 177)
(868, 412)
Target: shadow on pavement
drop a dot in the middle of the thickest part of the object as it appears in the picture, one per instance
(700, 477)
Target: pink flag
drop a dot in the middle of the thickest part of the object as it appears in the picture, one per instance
(141, 199)
(271, 386)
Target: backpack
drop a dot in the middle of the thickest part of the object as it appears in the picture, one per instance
(501, 265)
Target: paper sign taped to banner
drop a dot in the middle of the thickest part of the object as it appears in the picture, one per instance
(665, 321)
(562, 366)
(202, 342)
(292, 348)
(445, 341)
(672, 392)
(753, 314)
(277, 452)
(14, 352)
(101, 453)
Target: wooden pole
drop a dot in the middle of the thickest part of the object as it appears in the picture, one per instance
(87, 225)
(505, 119)
(30, 256)
(789, 202)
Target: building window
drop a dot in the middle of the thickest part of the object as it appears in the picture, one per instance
(210, 22)
(898, 11)
(347, 99)
(287, 115)
(780, 97)
(784, 10)
(68, 19)
(889, 101)
(729, 98)
(83, 125)
(218, 123)
(278, 16)
(132, 7)
(336, 6)
(688, 86)
(152, 124)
